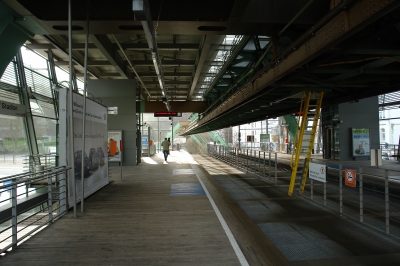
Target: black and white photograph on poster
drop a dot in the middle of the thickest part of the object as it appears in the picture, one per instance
(95, 173)
(114, 149)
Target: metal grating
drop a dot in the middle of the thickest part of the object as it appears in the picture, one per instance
(9, 93)
(389, 101)
(38, 83)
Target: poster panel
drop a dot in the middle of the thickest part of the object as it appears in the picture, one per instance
(95, 150)
(360, 137)
(264, 138)
(317, 172)
(114, 155)
(145, 141)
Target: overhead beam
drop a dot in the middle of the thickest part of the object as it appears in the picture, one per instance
(164, 63)
(177, 106)
(201, 58)
(372, 65)
(110, 52)
(135, 63)
(172, 82)
(341, 24)
(46, 46)
(161, 46)
(90, 63)
(355, 71)
(166, 74)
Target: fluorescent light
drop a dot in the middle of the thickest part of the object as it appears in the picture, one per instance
(154, 57)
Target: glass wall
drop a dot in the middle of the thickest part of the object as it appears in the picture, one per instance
(162, 128)
(13, 143)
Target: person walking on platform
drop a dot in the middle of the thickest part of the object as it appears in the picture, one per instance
(165, 144)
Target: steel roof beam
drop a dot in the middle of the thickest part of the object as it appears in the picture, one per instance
(167, 74)
(202, 56)
(108, 50)
(345, 19)
(375, 64)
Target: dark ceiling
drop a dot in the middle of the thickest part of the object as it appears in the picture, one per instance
(350, 51)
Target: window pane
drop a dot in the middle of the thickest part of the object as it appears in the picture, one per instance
(13, 145)
(45, 130)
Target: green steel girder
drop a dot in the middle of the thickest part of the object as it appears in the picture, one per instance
(202, 138)
(259, 58)
(292, 125)
(193, 117)
(174, 131)
(196, 139)
(239, 47)
(201, 145)
(217, 138)
(12, 35)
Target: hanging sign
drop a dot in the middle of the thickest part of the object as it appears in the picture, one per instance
(167, 114)
(350, 177)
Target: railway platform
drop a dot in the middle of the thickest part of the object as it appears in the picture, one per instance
(198, 210)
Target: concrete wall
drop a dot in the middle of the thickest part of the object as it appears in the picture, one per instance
(361, 114)
(122, 94)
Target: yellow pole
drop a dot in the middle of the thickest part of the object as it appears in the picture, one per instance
(299, 144)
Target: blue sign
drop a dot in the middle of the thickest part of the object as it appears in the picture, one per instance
(145, 140)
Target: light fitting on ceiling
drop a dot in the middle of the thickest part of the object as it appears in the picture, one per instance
(141, 10)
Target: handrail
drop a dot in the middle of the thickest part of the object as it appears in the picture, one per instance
(31, 204)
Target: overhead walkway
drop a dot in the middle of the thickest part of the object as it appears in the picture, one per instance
(197, 210)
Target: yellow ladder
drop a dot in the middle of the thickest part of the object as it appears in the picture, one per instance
(311, 142)
(292, 161)
(304, 124)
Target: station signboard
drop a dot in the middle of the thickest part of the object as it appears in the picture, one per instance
(167, 114)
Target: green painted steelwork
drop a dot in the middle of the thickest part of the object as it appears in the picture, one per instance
(218, 138)
(12, 35)
(292, 125)
(201, 145)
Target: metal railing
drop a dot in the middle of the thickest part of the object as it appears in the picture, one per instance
(389, 151)
(37, 162)
(374, 201)
(30, 201)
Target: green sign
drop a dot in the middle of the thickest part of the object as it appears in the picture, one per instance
(264, 138)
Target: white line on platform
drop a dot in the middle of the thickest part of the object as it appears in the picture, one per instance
(228, 232)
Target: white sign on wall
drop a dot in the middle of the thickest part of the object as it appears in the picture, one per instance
(12, 109)
(317, 172)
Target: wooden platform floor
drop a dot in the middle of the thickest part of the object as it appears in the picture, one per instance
(137, 222)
